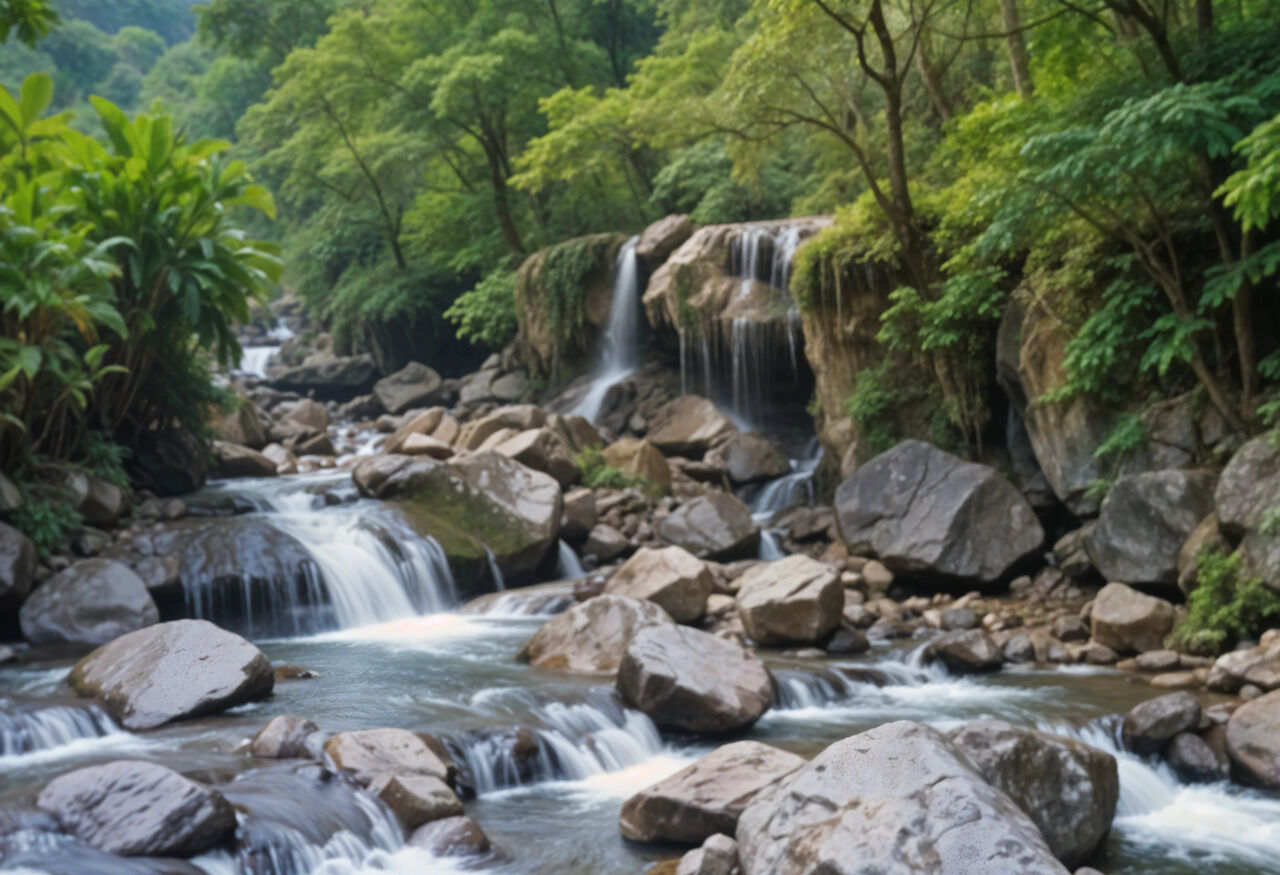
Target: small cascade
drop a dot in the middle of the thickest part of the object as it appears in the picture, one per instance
(254, 360)
(568, 565)
(495, 571)
(28, 728)
(789, 490)
(620, 345)
(770, 545)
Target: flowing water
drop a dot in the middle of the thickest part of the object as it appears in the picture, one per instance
(551, 756)
(620, 344)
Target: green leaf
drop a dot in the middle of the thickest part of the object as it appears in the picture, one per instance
(37, 92)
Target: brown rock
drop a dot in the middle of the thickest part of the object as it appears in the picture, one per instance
(592, 635)
(670, 577)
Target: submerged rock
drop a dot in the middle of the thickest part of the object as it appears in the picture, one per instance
(796, 600)
(714, 526)
(92, 602)
(451, 837)
(592, 635)
(416, 799)
(671, 578)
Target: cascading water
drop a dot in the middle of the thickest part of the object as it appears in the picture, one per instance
(568, 565)
(31, 727)
(620, 345)
(255, 359)
(788, 491)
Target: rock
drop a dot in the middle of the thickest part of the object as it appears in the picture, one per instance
(331, 379)
(670, 577)
(689, 426)
(927, 513)
(1253, 741)
(289, 672)
(170, 462)
(92, 602)
(369, 752)
(877, 577)
(233, 460)
(104, 503)
(424, 423)
(1247, 490)
(848, 641)
(715, 526)
(639, 458)
(361, 407)
(414, 385)
(796, 600)
(284, 737)
(592, 635)
(706, 797)
(416, 799)
(662, 238)
(425, 445)
(687, 679)
(17, 565)
(1127, 621)
(1068, 629)
(241, 426)
(1150, 726)
(1019, 649)
(1195, 761)
(302, 418)
(510, 388)
(717, 856)
(1073, 558)
(451, 837)
(1068, 789)
(957, 619)
(1176, 680)
(542, 450)
(10, 495)
(317, 445)
(898, 798)
(1205, 536)
(749, 458)
(579, 516)
(516, 418)
(134, 808)
(606, 543)
(1145, 520)
(173, 671)
(1259, 666)
(966, 652)
(1157, 660)
(286, 462)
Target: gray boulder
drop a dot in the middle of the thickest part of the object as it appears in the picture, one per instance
(689, 426)
(1195, 760)
(592, 635)
(91, 602)
(670, 577)
(967, 651)
(749, 458)
(416, 799)
(1253, 741)
(368, 753)
(927, 513)
(796, 600)
(17, 564)
(1247, 490)
(331, 378)
(284, 737)
(1150, 726)
(714, 526)
(687, 679)
(414, 385)
(234, 460)
(717, 856)
(173, 671)
(1127, 621)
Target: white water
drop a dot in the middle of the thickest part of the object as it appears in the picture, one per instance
(568, 565)
(255, 359)
(620, 345)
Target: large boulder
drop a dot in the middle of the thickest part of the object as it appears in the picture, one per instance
(689, 426)
(687, 679)
(1253, 741)
(414, 385)
(285, 736)
(671, 577)
(170, 462)
(662, 238)
(1128, 621)
(173, 671)
(91, 602)
(17, 564)
(331, 378)
(927, 513)
(749, 458)
(368, 753)
(234, 460)
(104, 503)
(1068, 789)
(591, 636)
(966, 651)
(706, 797)
(480, 504)
(1145, 520)
(241, 426)
(796, 600)
(898, 798)
(1247, 490)
(542, 449)
(714, 526)
(416, 799)
(639, 458)
(1149, 727)
(136, 809)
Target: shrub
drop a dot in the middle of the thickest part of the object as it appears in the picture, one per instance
(48, 522)
(1224, 609)
(599, 474)
(487, 313)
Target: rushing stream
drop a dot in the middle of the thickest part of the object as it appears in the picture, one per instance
(395, 654)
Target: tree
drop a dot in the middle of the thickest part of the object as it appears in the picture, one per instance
(28, 20)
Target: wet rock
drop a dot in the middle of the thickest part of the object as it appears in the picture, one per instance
(331, 379)
(138, 809)
(103, 503)
(1019, 649)
(687, 679)
(592, 635)
(670, 577)
(1149, 727)
(1195, 761)
(844, 812)
(173, 671)
(796, 600)
(233, 460)
(92, 602)
(579, 516)
(689, 426)
(170, 462)
(927, 513)
(451, 837)
(750, 458)
(1068, 789)
(416, 799)
(17, 565)
(958, 619)
(414, 385)
(706, 797)
(1128, 621)
(1253, 741)
(714, 526)
(1068, 629)
(966, 652)
(284, 737)
(606, 543)
(717, 856)
(848, 641)
(1145, 520)
(662, 238)
(241, 426)
(370, 752)
(294, 673)
(542, 450)
(284, 458)
(639, 458)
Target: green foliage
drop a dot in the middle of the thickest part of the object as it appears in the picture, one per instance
(563, 282)
(105, 459)
(48, 522)
(1223, 608)
(599, 474)
(871, 405)
(487, 313)
(27, 20)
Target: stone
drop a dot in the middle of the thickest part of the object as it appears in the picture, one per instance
(424, 422)
(134, 809)
(639, 458)
(1069, 628)
(957, 619)
(848, 641)
(17, 566)
(104, 503)
(10, 495)
(662, 238)
(451, 837)
(715, 526)
(706, 797)
(606, 543)
(796, 600)
(416, 799)
(1205, 536)
(878, 578)
(241, 425)
(1253, 741)
(517, 418)
(670, 577)
(332, 378)
(170, 462)
(1128, 621)
(579, 516)
(542, 450)
(1247, 489)
(92, 602)
(361, 408)
(1070, 551)
(592, 635)
(425, 445)
(689, 426)
(750, 458)
(284, 737)
(926, 513)
(690, 680)
(233, 460)
(310, 417)
(510, 388)
(414, 385)
(1019, 649)
(1258, 666)
(1176, 680)
(367, 753)
(1157, 660)
(1149, 727)
(1195, 761)
(717, 856)
(285, 460)
(968, 651)
(316, 445)
(897, 798)
(173, 671)
(1068, 789)
(1145, 520)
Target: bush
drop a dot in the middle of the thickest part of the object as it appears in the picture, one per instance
(487, 313)
(48, 522)
(1224, 609)
(599, 474)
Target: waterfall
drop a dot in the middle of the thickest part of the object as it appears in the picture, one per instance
(568, 565)
(620, 345)
(789, 490)
(30, 728)
(255, 359)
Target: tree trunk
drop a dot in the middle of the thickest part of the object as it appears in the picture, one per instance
(1204, 20)
(933, 84)
(1018, 58)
